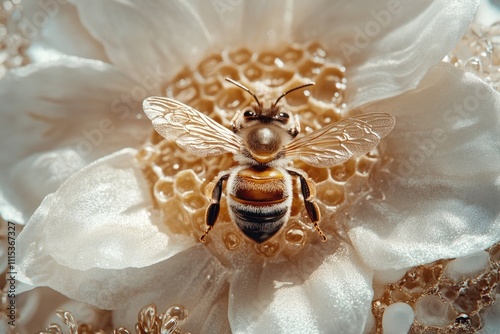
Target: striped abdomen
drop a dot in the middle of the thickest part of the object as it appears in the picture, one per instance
(259, 201)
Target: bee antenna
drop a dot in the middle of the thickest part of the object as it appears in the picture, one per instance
(291, 90)
(245, 89)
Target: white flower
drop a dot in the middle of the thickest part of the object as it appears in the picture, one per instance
(72, 124)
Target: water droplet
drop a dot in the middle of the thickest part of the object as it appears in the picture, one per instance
(397, 318)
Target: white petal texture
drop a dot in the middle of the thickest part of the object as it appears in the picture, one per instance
(56, 118)
(193, 278)
(108, 206)
(439, 195)
(387, 46)
(317, 293)
(55, 30)
(125, 28)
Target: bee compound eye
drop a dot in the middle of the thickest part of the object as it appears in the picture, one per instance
(249, 113)
(284, 115)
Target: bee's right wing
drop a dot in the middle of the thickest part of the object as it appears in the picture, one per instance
(189, 128)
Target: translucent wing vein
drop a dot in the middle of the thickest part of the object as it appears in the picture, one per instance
(190, 129)
(341, 141)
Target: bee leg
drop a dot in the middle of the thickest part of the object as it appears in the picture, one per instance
(213, 208)
(308, 192)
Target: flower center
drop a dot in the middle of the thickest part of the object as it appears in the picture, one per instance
(178, 178)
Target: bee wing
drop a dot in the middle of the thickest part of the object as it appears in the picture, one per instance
(341, 141)
(189, 128)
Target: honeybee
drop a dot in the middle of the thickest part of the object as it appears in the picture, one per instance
(264, 141)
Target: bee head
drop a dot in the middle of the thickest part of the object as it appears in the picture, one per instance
(257, 114)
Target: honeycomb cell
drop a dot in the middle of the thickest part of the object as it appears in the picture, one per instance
(209, 65)
(181, 81)
(332, 194)
(171, 165)
(317, 51)
(228, 72)
(253, 72)
(310, 69)
(186, 182)
(231, 98)
(295, 235)
(187, 94)
(328, 117)
(163, 190)
(316, 174)
(240, 56)
(298, 99)
(432, 311)
(147, 154)
(203, 105)
(292, 56)
(177, 218)
(330, 85)
(194, 200)
(212, 87)
(364, 165)
(342, 173)
(276, 77)
(269, 59)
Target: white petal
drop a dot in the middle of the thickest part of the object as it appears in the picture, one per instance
(193, 279)
(259, 24)
(146, 38)
(387, 46)
(54, 30)
(57, 118)
(143, 37)
(438, 196)
(320, 293)
(99, 218)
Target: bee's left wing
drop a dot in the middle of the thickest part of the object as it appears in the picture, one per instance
(189, 128)
(341, 141)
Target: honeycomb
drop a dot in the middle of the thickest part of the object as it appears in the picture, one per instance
(443, 305)
(13, 43)
(178, 178)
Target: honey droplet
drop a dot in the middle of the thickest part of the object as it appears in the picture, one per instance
(268, 249)
(231, 241)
